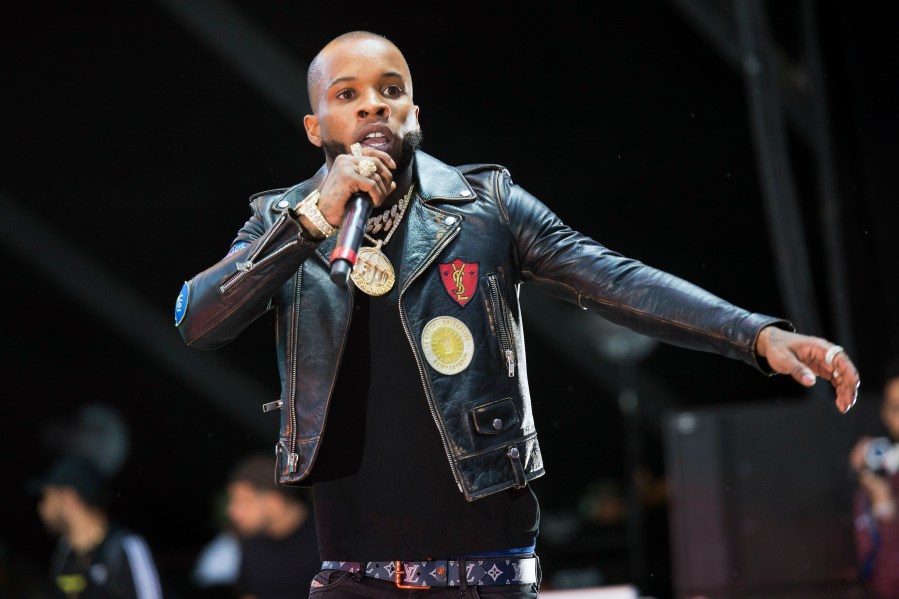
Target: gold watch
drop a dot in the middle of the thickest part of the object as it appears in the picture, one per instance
(309, 208)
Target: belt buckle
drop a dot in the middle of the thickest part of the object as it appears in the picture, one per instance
(398, 571)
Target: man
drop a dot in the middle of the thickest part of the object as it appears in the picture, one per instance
(875, 462)
(95, 558)
(405, 400)
(278, 546)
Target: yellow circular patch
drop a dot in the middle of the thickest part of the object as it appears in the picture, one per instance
(448, 345)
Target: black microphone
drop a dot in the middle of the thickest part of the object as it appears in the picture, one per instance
(343, 258)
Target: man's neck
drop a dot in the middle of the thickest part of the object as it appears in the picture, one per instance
(403, 180)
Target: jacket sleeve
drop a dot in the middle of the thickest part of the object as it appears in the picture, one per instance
(131, 568)
(578, 269)
(217, 304)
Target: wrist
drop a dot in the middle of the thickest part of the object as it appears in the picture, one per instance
(308, 230)
(761, 342)
(311, 218)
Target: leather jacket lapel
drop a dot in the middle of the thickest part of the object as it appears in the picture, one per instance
(426, 232)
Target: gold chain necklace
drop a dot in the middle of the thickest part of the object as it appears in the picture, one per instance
(373, 273)
(386, 220)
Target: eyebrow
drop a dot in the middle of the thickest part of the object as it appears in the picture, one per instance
(387, 75)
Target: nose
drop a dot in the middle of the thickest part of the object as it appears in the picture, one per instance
(373, 103)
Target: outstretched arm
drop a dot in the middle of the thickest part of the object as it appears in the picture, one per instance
(805, 358)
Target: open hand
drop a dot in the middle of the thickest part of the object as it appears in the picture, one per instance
(805, 358)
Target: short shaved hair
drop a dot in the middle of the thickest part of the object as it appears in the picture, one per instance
(314, 73)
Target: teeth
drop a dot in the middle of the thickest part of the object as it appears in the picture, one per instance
(370, 135)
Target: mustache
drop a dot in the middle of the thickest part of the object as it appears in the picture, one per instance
(412, 141)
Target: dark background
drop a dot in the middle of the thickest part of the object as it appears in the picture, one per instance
(135, 132)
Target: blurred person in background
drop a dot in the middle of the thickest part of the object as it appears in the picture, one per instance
(278, 546)
(217, 566)
(95, 556)
(875, 461)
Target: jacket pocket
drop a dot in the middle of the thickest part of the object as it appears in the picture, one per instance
(502, 320)
(494, 417)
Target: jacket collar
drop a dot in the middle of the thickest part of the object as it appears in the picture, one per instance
(437, 182)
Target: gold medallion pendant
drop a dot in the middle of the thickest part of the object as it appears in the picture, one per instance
(373, 273)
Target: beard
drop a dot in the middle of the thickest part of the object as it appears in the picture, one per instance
(411, 143)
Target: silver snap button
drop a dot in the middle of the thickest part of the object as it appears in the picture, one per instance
(283, 204)
(464, 193)
(513, 452)
(497, 423)
(450, 220)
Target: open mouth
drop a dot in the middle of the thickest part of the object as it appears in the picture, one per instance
(376, 139)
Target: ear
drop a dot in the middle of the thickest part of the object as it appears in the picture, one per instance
(310, 122)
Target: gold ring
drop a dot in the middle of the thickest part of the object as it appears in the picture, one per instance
(356, 149)
(831, 354)
(366, 167)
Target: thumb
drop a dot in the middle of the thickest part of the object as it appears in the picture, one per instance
(805, 377)
(799, 371)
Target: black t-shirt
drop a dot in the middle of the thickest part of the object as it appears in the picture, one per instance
(279, 568)
(383, 485)
(120, 567)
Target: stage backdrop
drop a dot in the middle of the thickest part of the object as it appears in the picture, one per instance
(760, 500)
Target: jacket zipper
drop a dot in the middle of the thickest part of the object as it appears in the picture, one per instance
(421, 372)
(501, 316)
(244, 267)
(293, 456)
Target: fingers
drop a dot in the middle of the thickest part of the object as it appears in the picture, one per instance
(346, 177)
(831, 353)
(837, 368)
(377, 155)
(845, 379)
(804, 376)
(371, 172)
(371, 176)
(832, 363)
(805, 358)
(376, 186)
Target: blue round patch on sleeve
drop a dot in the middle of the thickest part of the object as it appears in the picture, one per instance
(237, 247)
(181, 303)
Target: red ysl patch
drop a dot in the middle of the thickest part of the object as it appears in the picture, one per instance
(460, 279)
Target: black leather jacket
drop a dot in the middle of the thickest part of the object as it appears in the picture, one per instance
(476, 214)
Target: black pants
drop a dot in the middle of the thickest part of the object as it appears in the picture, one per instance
(337, 584)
